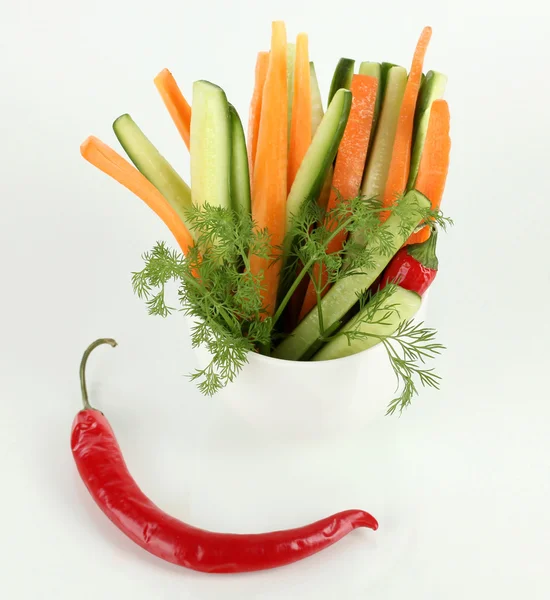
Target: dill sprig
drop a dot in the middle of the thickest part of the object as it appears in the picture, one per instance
(221, 295)
(408, 348)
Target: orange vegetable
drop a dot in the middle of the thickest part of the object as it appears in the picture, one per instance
(270, 171)
(300, 127)
(262, 63)
(401, 154)
(107, 160)
(350, 163)
(177, 105)
(434, 163)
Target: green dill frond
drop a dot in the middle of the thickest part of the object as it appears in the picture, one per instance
(218, 290)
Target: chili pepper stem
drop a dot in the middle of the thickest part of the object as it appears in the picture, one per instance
(83, 362)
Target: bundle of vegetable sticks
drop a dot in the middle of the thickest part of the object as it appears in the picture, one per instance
(287, 234)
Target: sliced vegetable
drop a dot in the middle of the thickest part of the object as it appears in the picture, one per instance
(269, 184)
(262, 63)
(342, 77)
(374, 180)
(378, 325)
(317, 111)
(326, 189)
(432, 89)
(350, 164)
(320, 155)
(372, 69)
(211, 142)
(176, 104)
(434, 165)
(401, 154)
(344, 293)
(240, 178)
(111, 163)
(300, 130)
(154, 166)
(290, 66)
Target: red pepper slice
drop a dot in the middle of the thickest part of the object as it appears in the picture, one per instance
(101, 465)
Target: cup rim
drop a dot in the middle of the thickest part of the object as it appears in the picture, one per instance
(311, 364)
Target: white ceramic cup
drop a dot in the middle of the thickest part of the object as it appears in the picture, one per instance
(289, 399)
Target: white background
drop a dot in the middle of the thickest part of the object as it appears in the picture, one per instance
(461, 482)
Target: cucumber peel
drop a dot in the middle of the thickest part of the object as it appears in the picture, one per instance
(378, 165)
(240, 177)
(342, 77)
(319, 156)
(317, 111)
(211, 146)
(432, 88)
(382, 323)
(153, 165)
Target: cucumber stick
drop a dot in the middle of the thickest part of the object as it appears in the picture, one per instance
(316, 101)
(317, 114)
(320, 155)
(342, 77)
(344, 293)
(432, 89)
(211, 144)
(384, 70)
(406, 303)
(240, 178)
(372, 69)
(378, 165)
(153, 165)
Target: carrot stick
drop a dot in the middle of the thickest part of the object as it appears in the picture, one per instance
(270, 172)
(262, 63)
(434, 163)
(401, 154)
(107, 160)
(348, 171)
(177, 105)
(300, 128)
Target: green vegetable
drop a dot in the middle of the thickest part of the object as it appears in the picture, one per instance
(153, 165)
(388, 238)
(384, 70)
(342, 77)
(319, 157)
(376, 173)
(432, 89)
(372, 69)
(240, 177)
(211, 143)
(219, 291)
(378, 319)
(317, 111)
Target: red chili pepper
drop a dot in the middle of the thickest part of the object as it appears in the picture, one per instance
(103, 470)
(414, 267)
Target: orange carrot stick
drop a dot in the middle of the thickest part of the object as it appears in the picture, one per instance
(262, 63)
(177, 105)
(434, 164)
(270, 170)
(300, 127)
(401, 154)
(107, 160)
(350, 163)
